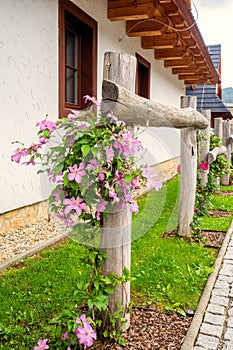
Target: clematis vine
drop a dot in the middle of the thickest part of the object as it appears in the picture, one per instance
(92, 166)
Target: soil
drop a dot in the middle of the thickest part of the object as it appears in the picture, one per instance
(151, 329)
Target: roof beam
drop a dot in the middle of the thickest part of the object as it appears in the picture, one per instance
(191, 77)
(159, 41)
(172, 54)
(192, 69)
(130, 10)
(178, 63)
(146, 27)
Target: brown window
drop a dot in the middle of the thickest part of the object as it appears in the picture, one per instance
(142, 77)
(77, 57)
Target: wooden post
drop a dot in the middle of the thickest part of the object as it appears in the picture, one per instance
(204, 147)
(116, 243)
(218, 133)
(116, 230)
(226, 142)
(218, 127)
(188, 162)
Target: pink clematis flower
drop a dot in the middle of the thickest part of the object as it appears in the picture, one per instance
(76, 204)
(150, 174)
(64, 335)
(93, 164)
(134, 207)
(109, 154)
(42, 345)
(76, 173)
(46, 124)
(204, 165)
(20, 152)
(91, 99)
(101, 206)
(178, 169)
(86, 334)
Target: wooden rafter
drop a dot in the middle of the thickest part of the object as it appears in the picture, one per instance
(168, 28)
(164, 41)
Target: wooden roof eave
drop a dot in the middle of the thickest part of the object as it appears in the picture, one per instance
(184, 8)
(153, 20)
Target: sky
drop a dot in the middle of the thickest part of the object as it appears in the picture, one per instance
(215, 22)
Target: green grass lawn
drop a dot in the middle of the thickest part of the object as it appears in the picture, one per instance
(170, 273)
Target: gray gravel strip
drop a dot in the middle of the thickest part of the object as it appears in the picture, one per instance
(20, 243)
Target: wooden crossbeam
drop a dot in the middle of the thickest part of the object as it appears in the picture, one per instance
(160, 41)
(130, 10)
(172, 54)
(134, 109)
(148, 27)
(185, 62)
(192, 69)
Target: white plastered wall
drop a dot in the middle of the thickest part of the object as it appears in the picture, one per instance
(29, 87)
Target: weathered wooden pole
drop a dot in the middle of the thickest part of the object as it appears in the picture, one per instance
(218, 127)
(218, 133)
(116, 230)
(134, 109)
(226, 142)
(204, 146)
(188, 163)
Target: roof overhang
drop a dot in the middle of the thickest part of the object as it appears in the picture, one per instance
(168, 27)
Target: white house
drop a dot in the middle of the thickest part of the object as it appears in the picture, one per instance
(51, 54)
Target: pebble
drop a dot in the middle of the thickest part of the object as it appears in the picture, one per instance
(17, 241)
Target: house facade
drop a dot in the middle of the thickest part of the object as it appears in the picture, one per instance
(51, 55)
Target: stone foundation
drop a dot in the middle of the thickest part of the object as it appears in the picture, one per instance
(167, 170)
(30, 214)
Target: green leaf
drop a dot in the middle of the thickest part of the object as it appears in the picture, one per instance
(85, 150)
(65, 178)
(129, 178)
(58, 168)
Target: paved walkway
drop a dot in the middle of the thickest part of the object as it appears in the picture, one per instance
(212, 325)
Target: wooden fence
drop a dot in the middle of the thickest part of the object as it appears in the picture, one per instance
(118, 97)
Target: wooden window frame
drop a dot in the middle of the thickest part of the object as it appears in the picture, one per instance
(147, 65)
(66, 6)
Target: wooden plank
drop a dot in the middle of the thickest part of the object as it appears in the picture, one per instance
(160, 41)
(146, 27)
(188, 163)
(134, 109)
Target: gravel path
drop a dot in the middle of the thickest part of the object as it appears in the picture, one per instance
(15, 242)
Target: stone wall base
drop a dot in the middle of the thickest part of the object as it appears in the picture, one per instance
(28, 215)
(167, 170)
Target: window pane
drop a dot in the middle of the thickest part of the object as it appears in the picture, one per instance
(71, 48)
(71, 86)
